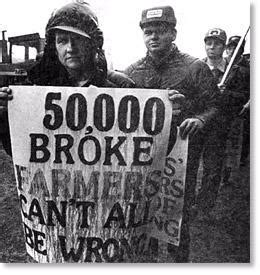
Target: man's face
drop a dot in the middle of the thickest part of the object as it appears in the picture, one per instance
(214, 48)
(158, 38)
(73, 50)
(230, 50)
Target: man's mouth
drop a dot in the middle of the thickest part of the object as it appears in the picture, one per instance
(69, 58)
(154, 45)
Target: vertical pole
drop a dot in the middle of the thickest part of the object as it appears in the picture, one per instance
(26, 54)
(233, 57)
(10, 53)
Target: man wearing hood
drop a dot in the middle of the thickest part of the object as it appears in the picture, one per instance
(73, 56)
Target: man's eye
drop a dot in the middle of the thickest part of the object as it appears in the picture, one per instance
(147, 32)
(62, 40)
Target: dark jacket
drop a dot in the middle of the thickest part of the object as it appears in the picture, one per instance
(237, 90)
(194, 80)
(238, 87)
(183, 73)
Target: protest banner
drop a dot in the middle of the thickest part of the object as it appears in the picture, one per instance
(95, 177)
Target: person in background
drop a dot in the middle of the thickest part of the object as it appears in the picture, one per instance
(215, 144)
(233, 95)
(215, 44)
(230, 49)
(242, 64)
(191, 83)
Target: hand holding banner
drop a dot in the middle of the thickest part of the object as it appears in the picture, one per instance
(93, 176)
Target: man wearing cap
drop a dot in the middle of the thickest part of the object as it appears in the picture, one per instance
(242, 69)
(215, 44)
(215, 143)
(165, 67)
(232, 99)
(237, 82)
(230, 49)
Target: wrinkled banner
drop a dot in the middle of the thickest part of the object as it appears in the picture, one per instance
(95, 178)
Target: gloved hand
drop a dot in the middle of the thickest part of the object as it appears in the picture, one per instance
(176, 98)
(120, 79)
(222, 88)
(5, 95)
(190, 126)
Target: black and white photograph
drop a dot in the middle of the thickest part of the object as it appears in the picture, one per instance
(125, 132)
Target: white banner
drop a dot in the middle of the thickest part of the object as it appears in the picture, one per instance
(94, 179)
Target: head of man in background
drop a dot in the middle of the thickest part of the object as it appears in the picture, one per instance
(215, 44)
(159, 31)
(231, 46)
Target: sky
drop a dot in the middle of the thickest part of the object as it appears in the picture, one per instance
(119, 21)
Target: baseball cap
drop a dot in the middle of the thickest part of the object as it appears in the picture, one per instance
(158, 14)
(234, 40)
(216, 33)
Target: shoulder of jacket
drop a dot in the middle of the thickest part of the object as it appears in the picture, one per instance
(138, 65)
(194, 63)
(186, 58)
(191, 61)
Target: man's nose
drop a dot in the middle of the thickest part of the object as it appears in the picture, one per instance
(71, 45)
(155, 35)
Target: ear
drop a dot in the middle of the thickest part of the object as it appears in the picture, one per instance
(174, 34)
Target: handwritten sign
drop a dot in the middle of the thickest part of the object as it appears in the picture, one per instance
(94, 176)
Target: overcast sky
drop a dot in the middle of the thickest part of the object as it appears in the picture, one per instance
(119, 20)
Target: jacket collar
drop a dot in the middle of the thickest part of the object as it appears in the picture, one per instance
(221, 66)
(164, 60)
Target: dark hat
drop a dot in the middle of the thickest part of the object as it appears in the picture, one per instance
(216, 33)
(234, 40)
(76, 17)
(158, 14)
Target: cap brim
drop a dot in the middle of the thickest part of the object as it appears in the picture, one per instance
(232, 43)
(71, 29)
(155, 21)
(215, 37)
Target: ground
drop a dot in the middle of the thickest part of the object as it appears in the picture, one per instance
(224, 237)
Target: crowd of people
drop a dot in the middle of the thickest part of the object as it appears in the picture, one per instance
(73, 56)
